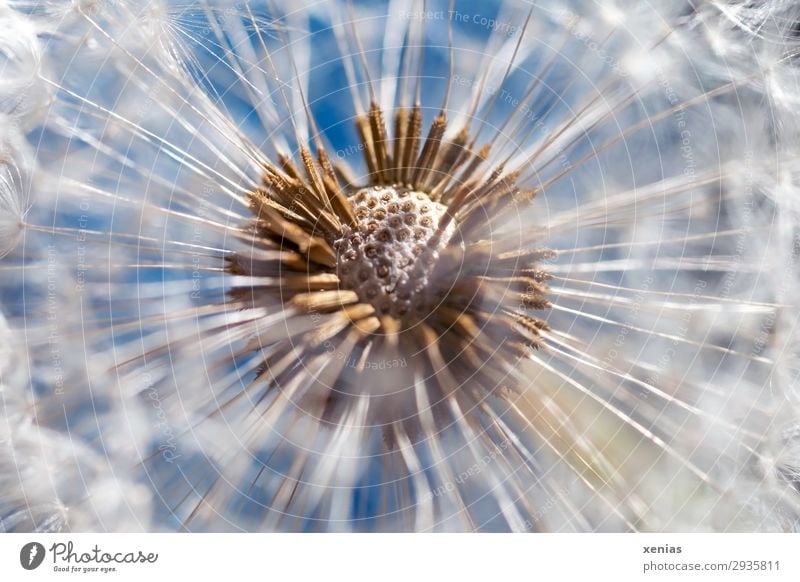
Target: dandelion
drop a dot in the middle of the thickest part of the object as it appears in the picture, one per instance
(410, 266)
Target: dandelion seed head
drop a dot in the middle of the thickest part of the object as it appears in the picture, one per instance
(368, 269)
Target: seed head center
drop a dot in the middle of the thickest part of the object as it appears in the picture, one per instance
(388, 259)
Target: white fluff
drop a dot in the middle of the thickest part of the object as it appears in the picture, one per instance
(15, 176)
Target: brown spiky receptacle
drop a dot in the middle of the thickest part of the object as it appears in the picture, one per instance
(400, 269)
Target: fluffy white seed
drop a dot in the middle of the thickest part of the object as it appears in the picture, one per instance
(13, 196)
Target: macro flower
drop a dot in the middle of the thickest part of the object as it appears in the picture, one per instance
(399, 266)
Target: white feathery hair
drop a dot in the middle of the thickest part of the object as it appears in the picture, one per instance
(606, 332)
